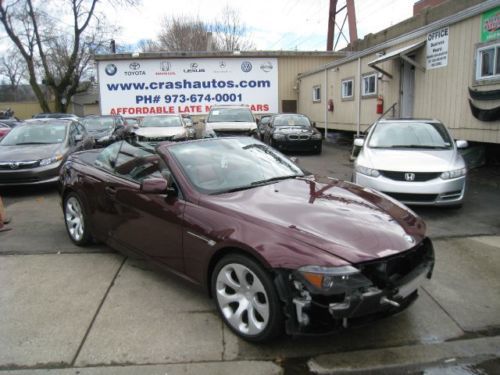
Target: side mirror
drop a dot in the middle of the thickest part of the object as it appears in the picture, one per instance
(154, 186)
(462, 143)
(359, 142)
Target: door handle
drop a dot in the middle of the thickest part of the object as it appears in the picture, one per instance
(110, 190)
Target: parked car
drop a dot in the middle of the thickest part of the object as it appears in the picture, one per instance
(231, 120)
(263, 123)
(292, 132)
(106, 129)
(413, 160)
(57, 115)
(12, 122)
(276, 248)
(33, 154)
(163, 128)
(4, 129)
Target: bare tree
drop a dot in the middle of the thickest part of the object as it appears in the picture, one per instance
(183, 34)
(231, 32)
(148, 45)
(56, 54)
(13, 67)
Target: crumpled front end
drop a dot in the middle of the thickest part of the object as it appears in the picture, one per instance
(355, 295)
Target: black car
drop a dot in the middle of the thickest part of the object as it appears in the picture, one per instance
(33, 153)
(106, 129)
(262, 124)
(292, 132)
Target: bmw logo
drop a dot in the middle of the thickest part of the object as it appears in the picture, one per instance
(246, 66)
(134, 65)
(111, 69)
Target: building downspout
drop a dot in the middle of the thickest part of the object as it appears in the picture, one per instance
(326, 104)
(358, 124)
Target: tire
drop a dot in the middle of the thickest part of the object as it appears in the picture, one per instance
(246, 298)
(76, 220)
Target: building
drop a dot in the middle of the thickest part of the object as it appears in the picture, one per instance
(443, 63)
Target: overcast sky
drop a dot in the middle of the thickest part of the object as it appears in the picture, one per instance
(272, 24)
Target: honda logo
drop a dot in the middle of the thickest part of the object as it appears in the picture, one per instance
(410, 176)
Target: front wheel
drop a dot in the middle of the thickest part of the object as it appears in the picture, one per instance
(247, 299)
(75, 220)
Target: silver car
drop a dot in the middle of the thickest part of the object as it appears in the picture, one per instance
(414, 161)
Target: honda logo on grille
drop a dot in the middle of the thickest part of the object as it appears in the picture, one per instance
(410, 176)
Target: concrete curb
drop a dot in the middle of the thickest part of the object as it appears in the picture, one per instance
(208, 368)
(405, 356)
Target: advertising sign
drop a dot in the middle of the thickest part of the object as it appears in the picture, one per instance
(138, 87)
(437, 48)
(490, 25)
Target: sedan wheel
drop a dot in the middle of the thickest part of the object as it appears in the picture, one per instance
(246, 298)
(74, 216)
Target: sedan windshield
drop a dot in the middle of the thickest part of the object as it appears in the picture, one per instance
(35, 134)
(161, 121)
(291, 120)
(230, 115)
(224, 165)
(418, 135)
(98, 123)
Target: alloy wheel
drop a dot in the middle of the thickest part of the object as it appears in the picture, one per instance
(74, 219)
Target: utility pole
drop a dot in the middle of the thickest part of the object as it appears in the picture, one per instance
(350, 17)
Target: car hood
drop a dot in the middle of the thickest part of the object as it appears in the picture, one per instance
(231, 126)
(159, 131)
(28, 152)
(410, 160)
(343, 219)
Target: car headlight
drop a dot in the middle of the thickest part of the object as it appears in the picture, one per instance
(335, 279)
(316, 136)
(52, 160)
(448, 175)
(278, 136)
(367, 171)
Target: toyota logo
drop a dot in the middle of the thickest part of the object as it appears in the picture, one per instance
(134, 65)
(410, 176)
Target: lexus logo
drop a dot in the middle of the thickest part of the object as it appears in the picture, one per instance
(410, 176)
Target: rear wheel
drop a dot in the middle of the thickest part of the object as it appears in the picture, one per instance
(76, 220)
(246, 298)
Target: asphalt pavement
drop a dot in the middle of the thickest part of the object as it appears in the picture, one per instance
(68, 310)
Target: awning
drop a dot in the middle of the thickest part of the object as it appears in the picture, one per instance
(401, 53)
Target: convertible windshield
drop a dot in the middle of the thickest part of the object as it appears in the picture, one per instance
(230, 115)
(223, 165)
(35, 134)
(417, 135)
(162, 121)
(291, 120)
(98, 123)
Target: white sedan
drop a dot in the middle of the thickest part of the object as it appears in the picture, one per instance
(414, 161)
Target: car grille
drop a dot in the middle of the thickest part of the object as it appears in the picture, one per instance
(419, 176)
(420, 198)
(231, 133)
(385, 273)
(295, 137)
(18, 180)
(15, 165)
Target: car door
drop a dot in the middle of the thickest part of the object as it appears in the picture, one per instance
(147, 224)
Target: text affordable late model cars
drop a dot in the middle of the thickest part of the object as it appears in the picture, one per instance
(275, 248)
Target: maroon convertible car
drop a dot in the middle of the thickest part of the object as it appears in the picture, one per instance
(277, 249)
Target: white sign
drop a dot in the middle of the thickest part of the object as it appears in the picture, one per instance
(437, 48)
(148, 87)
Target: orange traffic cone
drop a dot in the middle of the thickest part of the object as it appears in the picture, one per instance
(3, 218)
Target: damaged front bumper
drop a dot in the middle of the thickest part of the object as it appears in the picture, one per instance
(382, 287)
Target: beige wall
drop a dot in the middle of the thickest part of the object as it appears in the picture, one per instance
(440, 93)
(24, 110)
